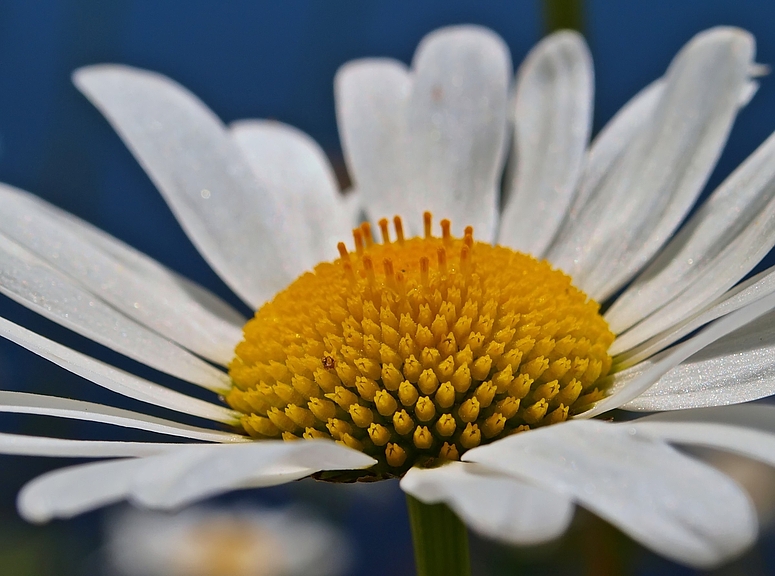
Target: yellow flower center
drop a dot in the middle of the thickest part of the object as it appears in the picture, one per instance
(416, 350)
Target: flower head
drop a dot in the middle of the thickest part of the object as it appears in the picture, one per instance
(243, 541)
(418, 349)
(403, 356)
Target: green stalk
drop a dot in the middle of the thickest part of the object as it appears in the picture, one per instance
(440, 540)
(559, 14)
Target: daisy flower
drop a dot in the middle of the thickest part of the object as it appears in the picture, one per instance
(469, 357)
(241, 541)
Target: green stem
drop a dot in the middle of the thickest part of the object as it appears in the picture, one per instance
(559, 14)
(440, 540)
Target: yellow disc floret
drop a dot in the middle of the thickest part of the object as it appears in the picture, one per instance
(415, 350)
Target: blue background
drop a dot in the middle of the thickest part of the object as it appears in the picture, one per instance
(277, 60)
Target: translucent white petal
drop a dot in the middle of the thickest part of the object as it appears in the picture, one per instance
(292, 167)
(182, 476)
(668, 502)
(63, 448)
(433, 138)
(231, 218)
(24, 403)
(552, 121)
(744, 293)
(653, 184)
(746, 430)
(496, 506)
(32, 283)
(132, 282)
(730, 233)
(112, 378)
(736, 368)
(629, 384)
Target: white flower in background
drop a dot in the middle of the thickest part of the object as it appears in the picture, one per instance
(414, 351)
(238, 541)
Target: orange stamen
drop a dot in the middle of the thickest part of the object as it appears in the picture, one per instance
(445, 234)
(383, 226)
(424, 268)
(368, 265)
(358, 238)
(399, 228)
(343, 254)
(442, 256)
(465, 252)
(367, 236)
(389, 272)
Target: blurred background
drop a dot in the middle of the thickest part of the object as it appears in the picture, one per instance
(277, 60)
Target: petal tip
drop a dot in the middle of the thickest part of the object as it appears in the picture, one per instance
(736, 38)
(82, 77)
(32, 508)
(464, 33)
(467, 38)
(364, 68)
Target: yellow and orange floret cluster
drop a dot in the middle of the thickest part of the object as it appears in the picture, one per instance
(417, 349)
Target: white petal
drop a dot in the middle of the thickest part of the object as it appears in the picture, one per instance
(754, 416)
(351, 204)
(606, 150)
(112, 378)
(433, 138)
(629, 384)
(291, 165)
(737, 368)
(730, 233)
(649, 190)
(749, 91)
(675, 505)
(552, 121)
(744, 293)
(371, 100)
(135, 284)
(253, 464)
(457, 119)
(182, 476)
(748, 430)
(63, 448)
(231, 219)
(76, 489)
(750, 443)
(496, 506)
(32, 283)
(23, 403)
